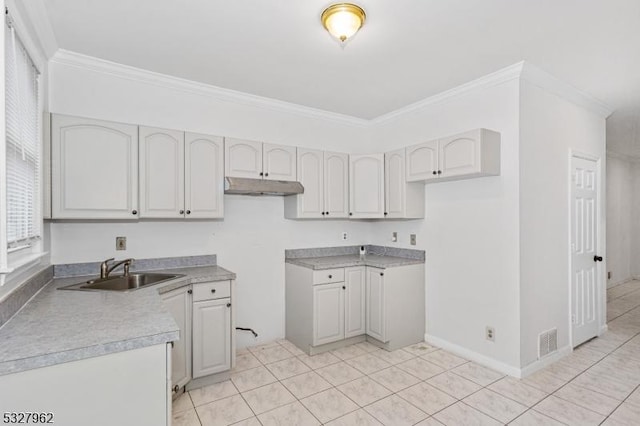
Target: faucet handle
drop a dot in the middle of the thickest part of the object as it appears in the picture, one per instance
(104, 268)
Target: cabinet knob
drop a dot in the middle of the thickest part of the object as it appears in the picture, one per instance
(228, 305)
(327, 213)
(439, 172)
(261, 174)
(188, 211)
(382, 274)
(350, 214)
(189, 291)
(134, 212)
(385, 213)
(181, 211)
(322, 213)
(344, 288)
(330, 276)
(213, 290)
(435, 173)
(266, 174)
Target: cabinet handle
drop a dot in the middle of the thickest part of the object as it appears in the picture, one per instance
(439, 172)
(176, 388)
(189, 291)
(327, 213)
(322, 213)
(261, 174)
(228, 305)
(330, 276)
(134, 212)
(181, 211)
(435, 173)
(188, 211)
(382, 274)
(350, 214)
(266, 174)
(344, 288)
(385, 213)
(213, 290)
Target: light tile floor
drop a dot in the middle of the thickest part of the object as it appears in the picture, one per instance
(277, 384)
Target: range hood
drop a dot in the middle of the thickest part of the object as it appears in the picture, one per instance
(245, 186)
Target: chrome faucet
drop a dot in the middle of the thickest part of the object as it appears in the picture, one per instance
(106, 269)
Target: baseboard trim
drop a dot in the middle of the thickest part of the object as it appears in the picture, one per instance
(473, 356)
(548, 360)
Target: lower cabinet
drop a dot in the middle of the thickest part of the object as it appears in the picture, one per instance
(178, 302)
(211, 337)
(324, 307)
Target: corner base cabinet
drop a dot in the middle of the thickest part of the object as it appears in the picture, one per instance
(327, 309)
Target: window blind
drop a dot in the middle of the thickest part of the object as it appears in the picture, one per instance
(22, 119)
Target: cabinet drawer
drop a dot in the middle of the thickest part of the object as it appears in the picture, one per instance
(208, 291)
(328, 276)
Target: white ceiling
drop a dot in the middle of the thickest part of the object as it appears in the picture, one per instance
(408, 49)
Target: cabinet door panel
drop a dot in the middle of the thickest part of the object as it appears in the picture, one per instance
(336, 184)
(422, 161)
(94, 169)
(395, 184)
(328, 313)
(178, 303)
(242, 158)
(375, 304)
(460, 154)
(310, 173)
(355, 280)
(279, 162)
(161, 173)
(211, 337)
(366, 181)
(204, 176)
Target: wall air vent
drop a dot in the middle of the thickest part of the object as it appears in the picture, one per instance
(547, 342)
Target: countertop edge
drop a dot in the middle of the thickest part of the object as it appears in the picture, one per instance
(350, 263)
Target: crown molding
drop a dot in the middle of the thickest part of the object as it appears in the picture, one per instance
(552, 84)
(102, 66)
(501, 76)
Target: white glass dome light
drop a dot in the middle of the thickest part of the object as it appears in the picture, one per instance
(343, 20)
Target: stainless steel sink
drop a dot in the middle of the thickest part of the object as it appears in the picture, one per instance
(122, 283)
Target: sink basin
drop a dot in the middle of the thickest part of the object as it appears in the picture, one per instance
(123, 283)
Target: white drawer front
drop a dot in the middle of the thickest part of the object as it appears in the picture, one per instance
(328, 276)
(208, 291)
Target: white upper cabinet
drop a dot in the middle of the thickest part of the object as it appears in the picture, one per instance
(403, 200)
(161, 173)
(366, 186)
(325, 177)
(255, 160)
(94, 169)
(279, 162)
(204, 176)
(471, 154)
(243, 158)
(336, 185)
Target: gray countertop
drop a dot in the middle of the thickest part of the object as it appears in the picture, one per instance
(343, 261)
(62, 326)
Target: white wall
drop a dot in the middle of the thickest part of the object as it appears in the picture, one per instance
(253, 236)
(623, 174)
(550, 127)
(470, 233)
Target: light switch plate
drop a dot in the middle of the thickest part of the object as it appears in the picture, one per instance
(412, 239)
(121, 243)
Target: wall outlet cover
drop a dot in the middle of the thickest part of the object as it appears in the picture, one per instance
(394, 237)
(344, 235)
(412, 239)
(121, 243)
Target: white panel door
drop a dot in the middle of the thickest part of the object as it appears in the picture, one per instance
(422, 161)
(178, 303)
(394, 184)
(336, 184)
(328, 313)
(211, 337)
(311, 176)
(279, 162)
(94, 169)
(460, 154)
(204, 176)
(585, 277)
(354, 301)
(242, 158)
(161, 173)
(375, 304)
(366, 186)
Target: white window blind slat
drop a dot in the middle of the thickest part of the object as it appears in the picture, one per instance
(22, 142)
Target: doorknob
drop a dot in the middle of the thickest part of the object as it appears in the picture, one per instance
(597, 258)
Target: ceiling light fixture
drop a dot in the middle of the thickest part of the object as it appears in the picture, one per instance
(343, 20)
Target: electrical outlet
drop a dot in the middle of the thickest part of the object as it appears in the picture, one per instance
(490, 334)
(412, 239)
(121, 243)
(344, 235)
(394, 237)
